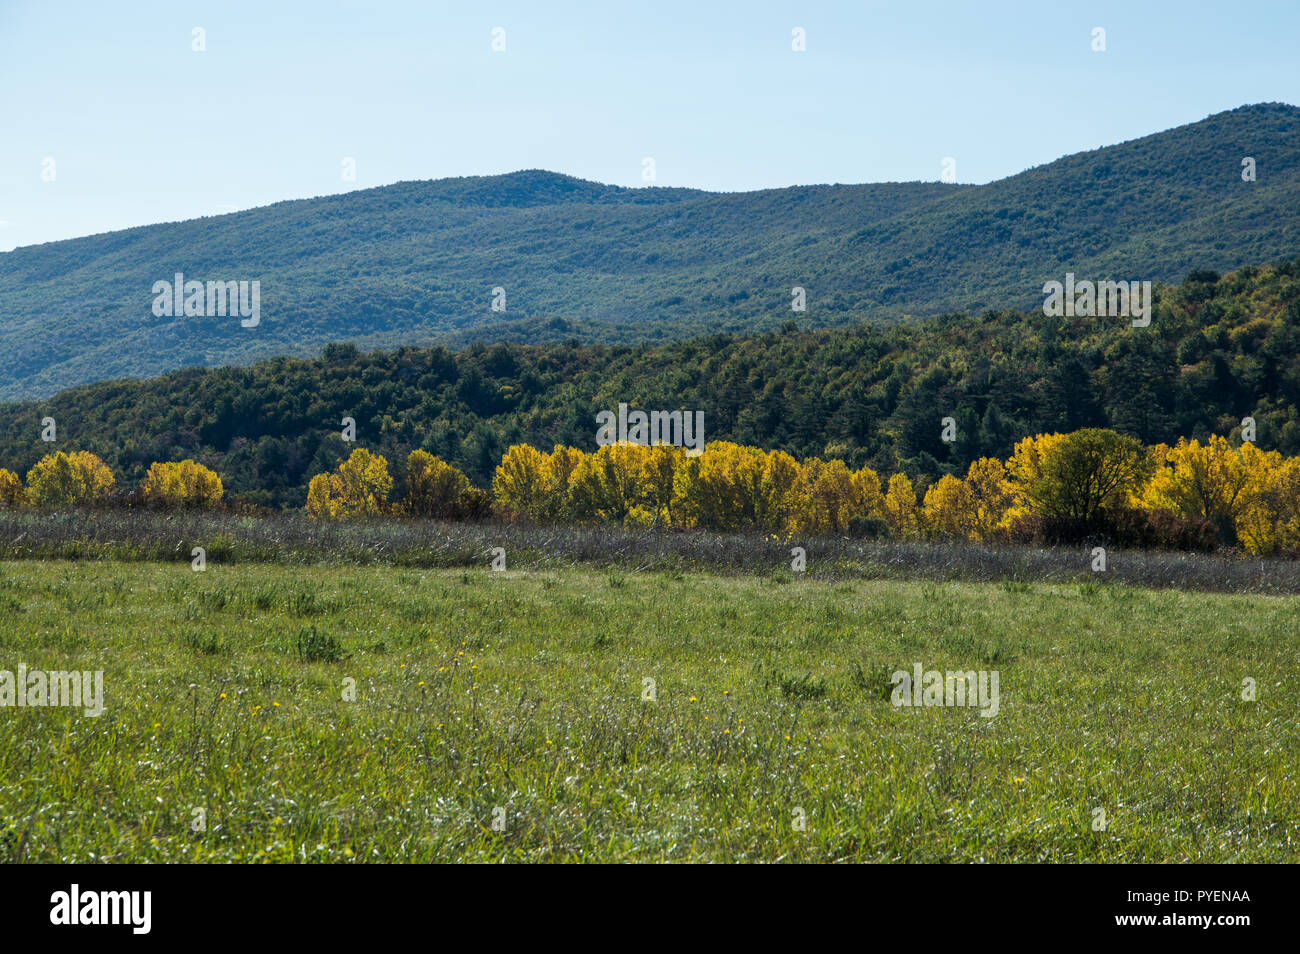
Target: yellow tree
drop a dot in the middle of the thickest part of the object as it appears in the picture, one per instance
(1079, 476)
(949, 509)
(900, 508)
(563, 462)
(780, 493)
(522, 484)
(1214, 481)
(1271, 524)
(659, 483)
(434, 488)
(364, 482)
(606, 485)
(359, 487)
(832, 497)
(183, 483)
(871, 502)
(321, 503)
(61, 479)
(1025, 469)
(992, 496)
(12, 495)
(720, 488)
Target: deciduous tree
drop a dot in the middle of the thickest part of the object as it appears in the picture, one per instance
(74, 479)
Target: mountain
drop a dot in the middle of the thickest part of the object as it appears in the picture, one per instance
(416, 262)
(1219, 348)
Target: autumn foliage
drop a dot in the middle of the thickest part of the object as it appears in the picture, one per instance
(434, 488)
(358, 488)
(182, 484)
(12, 493)
(1092, 479)
(729, 487)
(61, 480)
(1091, 483)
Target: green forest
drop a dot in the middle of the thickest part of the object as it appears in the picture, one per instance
(1219, 349)
(415, 262)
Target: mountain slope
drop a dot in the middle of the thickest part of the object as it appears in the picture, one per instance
(416, 262)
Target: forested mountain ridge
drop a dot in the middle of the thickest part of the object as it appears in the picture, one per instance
(416, 262)
(1219, 348)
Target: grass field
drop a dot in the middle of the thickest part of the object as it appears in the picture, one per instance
(517, 697)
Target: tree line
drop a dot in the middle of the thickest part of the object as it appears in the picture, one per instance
(1092, 483)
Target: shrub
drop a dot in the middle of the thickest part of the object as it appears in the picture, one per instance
(869, 528)
(1127, 527)
(1164, 529)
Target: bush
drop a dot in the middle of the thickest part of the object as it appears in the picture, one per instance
(869, 528)
(1164, 529)
(1138, 529)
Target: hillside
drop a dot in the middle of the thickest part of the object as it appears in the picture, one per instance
(415, 262)
(1219, 348)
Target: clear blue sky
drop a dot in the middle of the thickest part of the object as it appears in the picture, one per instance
(143, 129)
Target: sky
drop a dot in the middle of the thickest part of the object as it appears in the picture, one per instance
(110, 118)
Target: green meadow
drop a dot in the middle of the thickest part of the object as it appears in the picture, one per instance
(380, 714)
